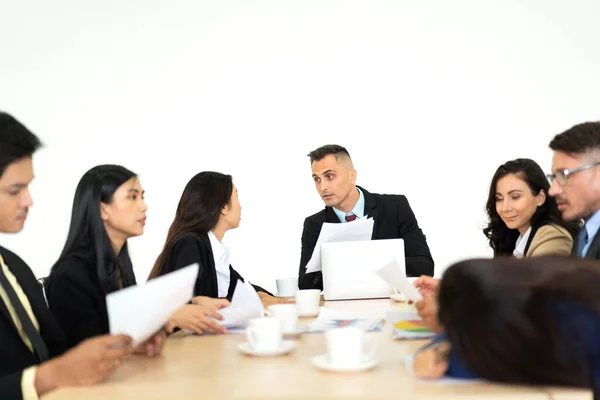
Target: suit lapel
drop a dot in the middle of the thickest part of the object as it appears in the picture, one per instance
(331, 216)
(4, 308)
(6, 314)
(594, 248)
(370, 209)
(575, 241)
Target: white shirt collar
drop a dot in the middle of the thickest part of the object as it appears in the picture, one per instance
(519, 251)
(220, 251)
(221, 258)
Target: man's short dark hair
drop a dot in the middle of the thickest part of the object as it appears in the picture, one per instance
(16, 141)
(328, 149)
(578, 139)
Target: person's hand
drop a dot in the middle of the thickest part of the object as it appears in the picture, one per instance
(88, 363)
(194, 317)
(268, 300)
(426, 285)
(209, 302)
(432, 362)
(427, 310)
(153, 346)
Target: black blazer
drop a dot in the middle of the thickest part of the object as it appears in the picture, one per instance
(394, 219)
(195, 248)
(14, 354)
(594, 250)
(77, 299)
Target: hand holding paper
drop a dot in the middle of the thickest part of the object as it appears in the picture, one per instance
(395, 275)
(358, 230)
(141, 311)
(245, 305)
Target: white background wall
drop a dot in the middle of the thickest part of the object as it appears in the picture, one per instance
(428, 96)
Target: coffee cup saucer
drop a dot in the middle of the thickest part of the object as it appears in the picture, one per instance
(295, 334)
(398, 297)
(309, 314)
(286, 347)
(323, 362)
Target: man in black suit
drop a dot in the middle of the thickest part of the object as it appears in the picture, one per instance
(575, 182)
(31, 342)
(335, 180)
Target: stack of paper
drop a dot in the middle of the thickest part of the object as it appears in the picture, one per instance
(357, 230)
(408, 325)
(141, 311)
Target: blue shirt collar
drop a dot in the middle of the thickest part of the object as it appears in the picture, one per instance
(592, 225)
(358, 210)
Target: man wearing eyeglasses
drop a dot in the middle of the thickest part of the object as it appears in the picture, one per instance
(575, 182)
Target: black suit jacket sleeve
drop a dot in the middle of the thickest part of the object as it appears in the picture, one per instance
(77, 301)
(418, 258)
(234, 276)
(310, 234)
(10, 386)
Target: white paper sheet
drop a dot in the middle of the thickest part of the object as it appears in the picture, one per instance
(245, 305)
(357, 230)
(395, 276)
(140, 311)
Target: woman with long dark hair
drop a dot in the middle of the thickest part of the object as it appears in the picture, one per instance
(209, 207)
(108, 209)
(523, 220)
(533, 321)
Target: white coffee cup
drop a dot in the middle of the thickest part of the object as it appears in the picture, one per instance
(264, 334)
(287, 314)
(287, 287)
(402, 295)
(307, 302)
(349, 346)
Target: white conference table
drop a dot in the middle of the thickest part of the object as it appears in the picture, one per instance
(212, 367)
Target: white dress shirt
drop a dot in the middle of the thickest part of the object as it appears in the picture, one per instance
(221, 257)
(519, 251)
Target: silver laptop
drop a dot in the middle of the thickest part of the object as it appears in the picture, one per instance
(349, 268)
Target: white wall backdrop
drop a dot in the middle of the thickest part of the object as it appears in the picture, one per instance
(429, 97)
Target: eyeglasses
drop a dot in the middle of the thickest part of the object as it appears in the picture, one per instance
(562, 175)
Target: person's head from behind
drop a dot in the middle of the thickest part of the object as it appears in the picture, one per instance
(209, 202)
(517, 200)
(333, 173)
(108, 209)
(575, 174)
(17, 145)
(500, 316)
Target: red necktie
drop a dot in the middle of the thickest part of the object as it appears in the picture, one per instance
(350, 218)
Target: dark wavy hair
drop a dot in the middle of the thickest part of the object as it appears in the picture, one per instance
(87, 235)
(198, 210)
(502, 239)
(16, 141)
(527, 321)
